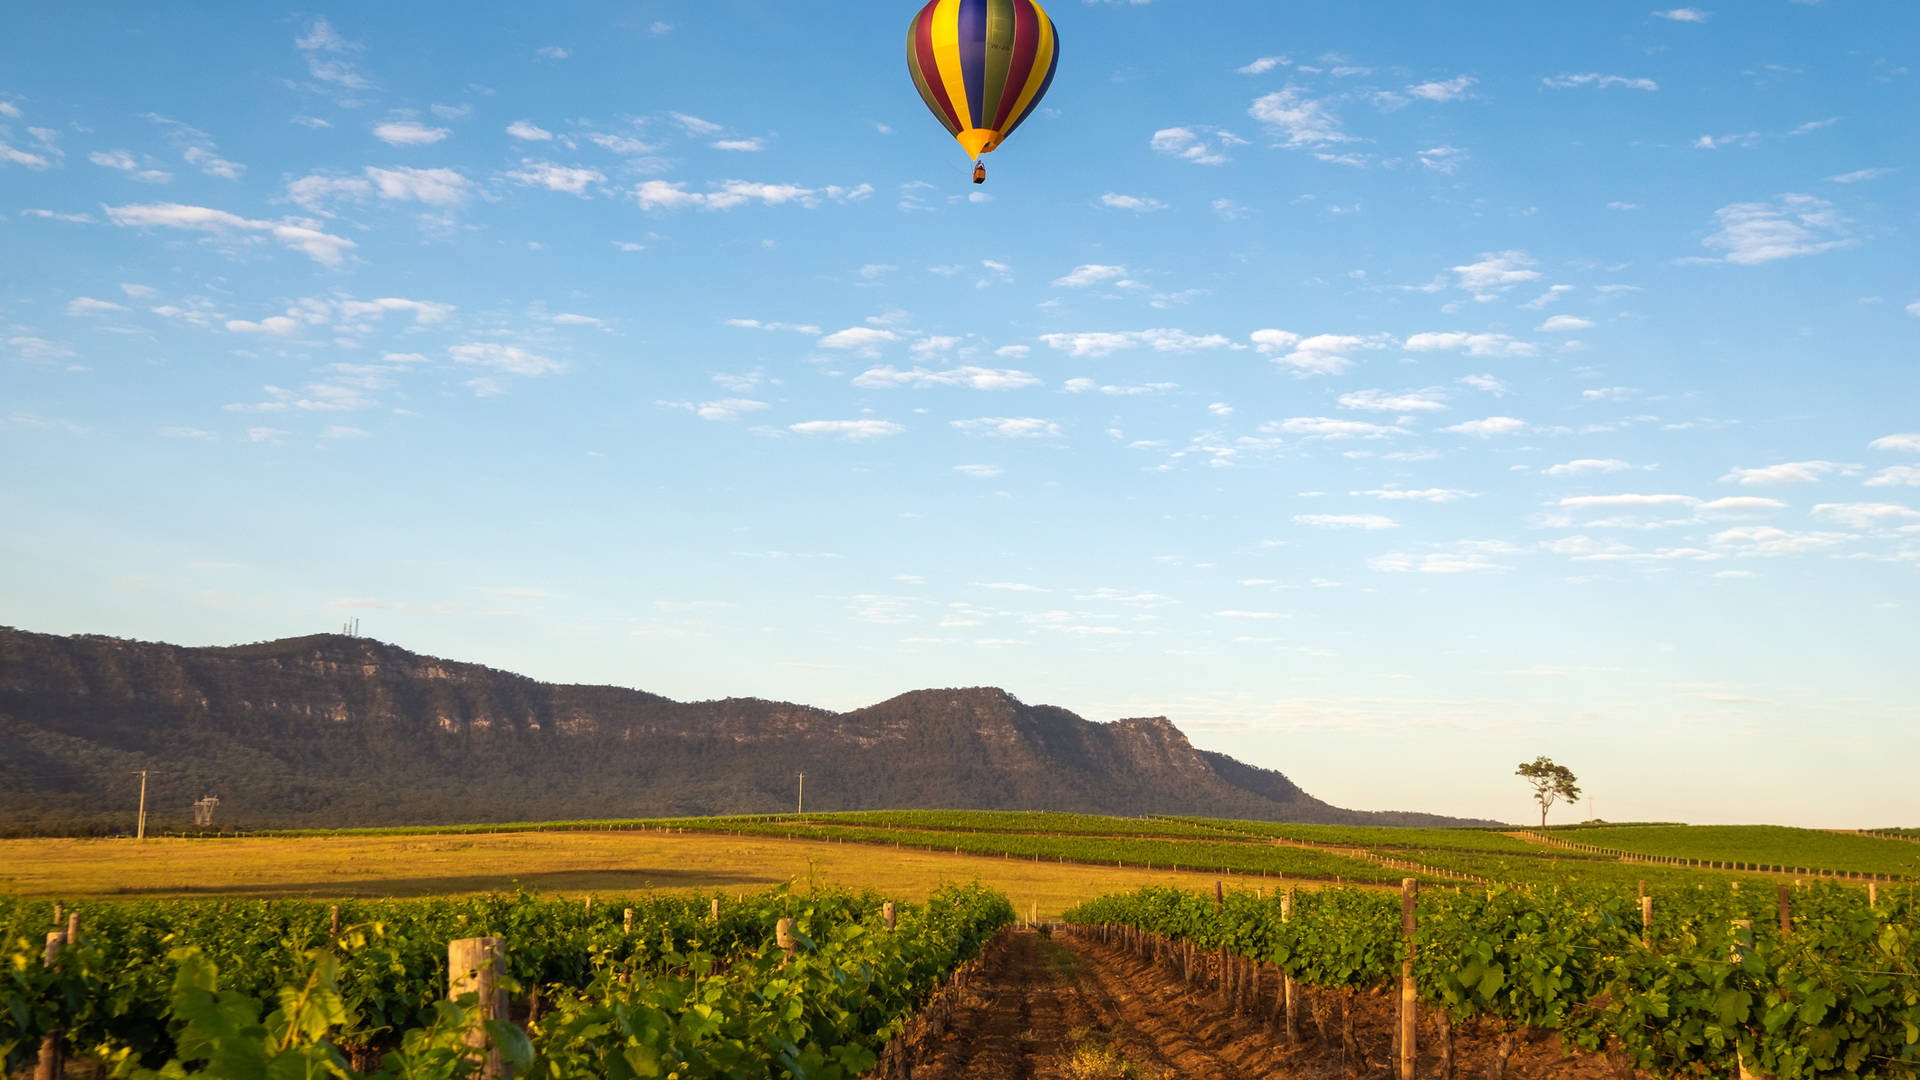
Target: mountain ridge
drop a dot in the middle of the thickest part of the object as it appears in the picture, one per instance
(330, 730)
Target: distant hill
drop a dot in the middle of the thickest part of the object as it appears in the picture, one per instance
(335, 731)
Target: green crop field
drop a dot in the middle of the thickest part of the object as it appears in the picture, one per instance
(1765, 844)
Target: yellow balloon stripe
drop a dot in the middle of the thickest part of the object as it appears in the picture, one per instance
(1042, 63)
(946, 55)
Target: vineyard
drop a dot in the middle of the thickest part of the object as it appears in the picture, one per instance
(784, 983)
(1689, 983)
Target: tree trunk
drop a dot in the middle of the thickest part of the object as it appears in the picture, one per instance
(1349, 1039)
(1502, 1051)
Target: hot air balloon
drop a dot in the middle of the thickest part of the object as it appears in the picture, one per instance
(982, 66)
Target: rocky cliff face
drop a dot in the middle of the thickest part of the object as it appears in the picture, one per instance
(330, 730)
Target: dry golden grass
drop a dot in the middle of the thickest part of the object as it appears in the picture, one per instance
(609, 863)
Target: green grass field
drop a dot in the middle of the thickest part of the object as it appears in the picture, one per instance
(1764, 844)
(1051, 859)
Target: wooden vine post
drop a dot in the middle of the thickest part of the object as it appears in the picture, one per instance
(1409, 891)
(783, 936)
(1286, 986)
(1786, 911)
(51, 1066)
(474, 966)
(716, 909)
(1742, 941)
(887, 914)
(626, 921)
(1646, 921)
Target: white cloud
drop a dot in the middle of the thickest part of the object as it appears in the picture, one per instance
(1263, 65)
(326, 51)
(1896, 476)
(1584, 466)
(1860, 176)
(296, 233)
(1770, 541)
(1103, 343)
(1473, 344)
(1738, 505)
(275, 325)
(1007, 427)
(212, 164)
(507, 359)
(1787, 472)
(1447, 90)
(1488, 383)
(1300, 120)
(266, 434)
(723, 409)
(866, 339)
(1089, 273)
(1137, 203)
(1321, 354)
(1758, 232)
(87, 305)
(435, 187)
(742, 146)
(408, 133)
(847, 429)
(973, 378)
(140, 292)
(1907, 441)
(625, 145)
(550, 52)
(313, 192)
(979, 472)
(755, 324)
(528, 131)
(1492, 425)
(1443, 159)
(1687, 15)
(1611, 502)
(1470, 558)
(1432, 495)
(664, 195)
(696, 126)
(1864, 515)
(1565, 323)
(1562, 82)
(10, 155)
(1242, 614)
(1551, 296)
(116, 159)
(1497, 271)
(1327, 427)
(571, 179)
(10, 110)
(1346, 521)
(1429, 400)
(1199, 145)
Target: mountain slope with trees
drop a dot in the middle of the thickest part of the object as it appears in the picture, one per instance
(330, 730)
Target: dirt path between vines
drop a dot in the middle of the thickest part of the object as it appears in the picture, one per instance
(1067, 1007)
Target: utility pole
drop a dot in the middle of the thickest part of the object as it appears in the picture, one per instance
(140, 829)
(801, 806)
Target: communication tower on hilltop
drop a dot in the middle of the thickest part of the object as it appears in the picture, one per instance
(350, 628)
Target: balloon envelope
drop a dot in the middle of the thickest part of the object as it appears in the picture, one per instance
(982, 66)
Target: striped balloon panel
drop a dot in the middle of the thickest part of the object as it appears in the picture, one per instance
(982, 64)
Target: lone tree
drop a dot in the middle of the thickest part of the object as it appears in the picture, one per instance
(1550, 782)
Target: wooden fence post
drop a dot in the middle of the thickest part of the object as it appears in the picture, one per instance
(887, 914)
(51, 1066)
(1286, 987)
(333, 920)
(474, 966)
(1409, 891)
(716, 909)
(783, 936)
(1646, 921)
(73, 929)
(1219, 897)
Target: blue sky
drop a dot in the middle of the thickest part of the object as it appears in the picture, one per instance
(1385, 393)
